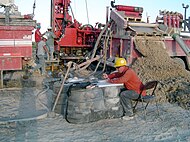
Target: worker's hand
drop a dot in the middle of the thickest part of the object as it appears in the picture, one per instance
(105, 76)
(44, 33)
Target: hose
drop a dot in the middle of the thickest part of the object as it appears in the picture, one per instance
(106, 47)
(106, 41)
(25, 119)
(96, 45)
(47, 88)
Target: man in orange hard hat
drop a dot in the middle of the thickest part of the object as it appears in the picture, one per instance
(131, 82)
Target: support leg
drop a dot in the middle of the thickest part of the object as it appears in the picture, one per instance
(1, 78)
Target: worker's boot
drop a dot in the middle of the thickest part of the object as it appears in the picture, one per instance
(128, 115)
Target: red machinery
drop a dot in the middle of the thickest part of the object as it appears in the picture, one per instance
(129, 11)
(15, 38)
(126, 26)
(73, 39)
(170, 19)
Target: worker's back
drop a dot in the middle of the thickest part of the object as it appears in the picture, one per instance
(50, 40)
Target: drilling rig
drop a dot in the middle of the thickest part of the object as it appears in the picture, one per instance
(74, 40)
(118, 35)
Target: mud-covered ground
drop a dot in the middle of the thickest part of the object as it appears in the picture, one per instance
(172, 124)
(25, 112)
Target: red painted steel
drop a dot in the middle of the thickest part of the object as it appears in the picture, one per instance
(73, 36)
(129, 8)
(13, 62)
(15, 45)
(123, 48)
(173, 48)
(173, 20)
(70, 33)
(130, 11)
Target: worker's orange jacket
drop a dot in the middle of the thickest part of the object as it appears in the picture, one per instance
(129, 78)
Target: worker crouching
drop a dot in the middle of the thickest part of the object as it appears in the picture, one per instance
(132, 85)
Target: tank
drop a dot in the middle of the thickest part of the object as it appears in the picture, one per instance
(85, 105)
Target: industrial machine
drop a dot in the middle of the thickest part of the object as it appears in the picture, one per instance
(117, 37)
(15, 36)
(79, 42)
(127, 26)
(74, 40)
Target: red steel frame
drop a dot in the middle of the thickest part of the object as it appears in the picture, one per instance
(70, 33)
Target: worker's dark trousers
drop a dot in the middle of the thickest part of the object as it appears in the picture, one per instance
(126, 98)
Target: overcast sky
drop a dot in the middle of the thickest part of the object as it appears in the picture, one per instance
(97, 9)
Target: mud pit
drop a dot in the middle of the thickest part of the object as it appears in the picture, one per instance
(171, 125)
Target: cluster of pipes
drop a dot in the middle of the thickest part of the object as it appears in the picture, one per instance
(171, 19)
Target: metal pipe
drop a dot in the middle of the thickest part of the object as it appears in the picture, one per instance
(1, 79)
(107, 14)
(181, 43)
(52, 15)
(129, 8)
(34, 6)
(87, 11)
(143, 25)
(7, 15)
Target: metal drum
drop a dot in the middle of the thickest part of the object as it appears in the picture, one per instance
(85, 105)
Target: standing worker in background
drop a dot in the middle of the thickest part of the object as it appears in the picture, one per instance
(50, 41)
(42, 49)
(38, 36)
(131, 82)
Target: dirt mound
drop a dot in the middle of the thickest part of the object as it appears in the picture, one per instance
(156, 64)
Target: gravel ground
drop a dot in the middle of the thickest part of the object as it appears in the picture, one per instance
(173, 123)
